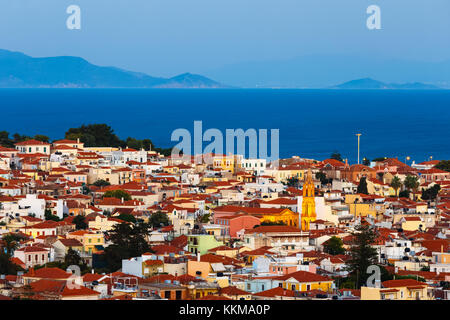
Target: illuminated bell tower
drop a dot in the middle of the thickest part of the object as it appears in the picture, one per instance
(308, 202)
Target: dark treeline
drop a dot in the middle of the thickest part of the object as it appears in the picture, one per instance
(92, 135)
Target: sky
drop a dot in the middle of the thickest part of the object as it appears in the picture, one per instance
(169, 37)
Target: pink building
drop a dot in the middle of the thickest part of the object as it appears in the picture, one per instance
(32, 256)
(232, 224)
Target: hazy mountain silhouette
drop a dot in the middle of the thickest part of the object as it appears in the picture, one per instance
(319, 71)
(20, 70)
(368, 83)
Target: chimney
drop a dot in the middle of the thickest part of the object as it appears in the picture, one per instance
(198, 257)
(78, 140)
(93, 271)
(121, 200)
(442, 248)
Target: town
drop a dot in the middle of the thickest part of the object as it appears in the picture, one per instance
(105, 222)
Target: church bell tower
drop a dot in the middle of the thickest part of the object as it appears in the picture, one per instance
(308, 202)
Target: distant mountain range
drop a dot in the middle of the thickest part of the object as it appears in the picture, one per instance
(368, 83)
(324, 71)
(18, 70)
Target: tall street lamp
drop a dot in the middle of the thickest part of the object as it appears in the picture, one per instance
(358, 135)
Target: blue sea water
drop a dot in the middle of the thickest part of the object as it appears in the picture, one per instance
(312, 123)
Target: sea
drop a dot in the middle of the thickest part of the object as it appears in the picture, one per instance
(312, 123)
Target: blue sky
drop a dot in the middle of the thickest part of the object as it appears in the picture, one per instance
(168, 37)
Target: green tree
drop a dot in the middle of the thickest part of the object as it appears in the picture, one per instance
(396, 184)
(72, 258)
(292, 182)
(145, 144)
(158, 219)
(322, 177)
(6, 266)
(80, 222)
(126, 241)
(336, 156)
(362, 186)
(12, 241)
(205, 218)
(50, 216)
(5, 140)
(404, 194)
(127, 217)
(271, 223)
(412, 183)
(95, 135)
(334, 246)
(41, 137)
(101, 183)
(443, 165)
(119, 194)
(362, 253)
(19, 138)
(431, 193)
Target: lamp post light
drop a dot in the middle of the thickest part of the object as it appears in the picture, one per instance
(358, 135)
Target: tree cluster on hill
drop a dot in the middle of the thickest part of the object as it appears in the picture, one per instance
(119, 194)
(127, 241)
(7, 142)
(336, 156)
(443, 165)
(102, 135)
(92, 135)
(334, 246)
(431, 193)
(159, 219)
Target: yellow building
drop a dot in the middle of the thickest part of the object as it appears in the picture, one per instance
(304, 281)
(89, 240)
(412, 223)
(308, 202)
(402, 289)
(284, 173)
(223, 162)
(171, 169)
(286, 216)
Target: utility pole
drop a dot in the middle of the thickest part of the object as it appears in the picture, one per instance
(358, 135)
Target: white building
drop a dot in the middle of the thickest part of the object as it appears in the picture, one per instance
(33, 205)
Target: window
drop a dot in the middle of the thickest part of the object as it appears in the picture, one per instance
(167, 294)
